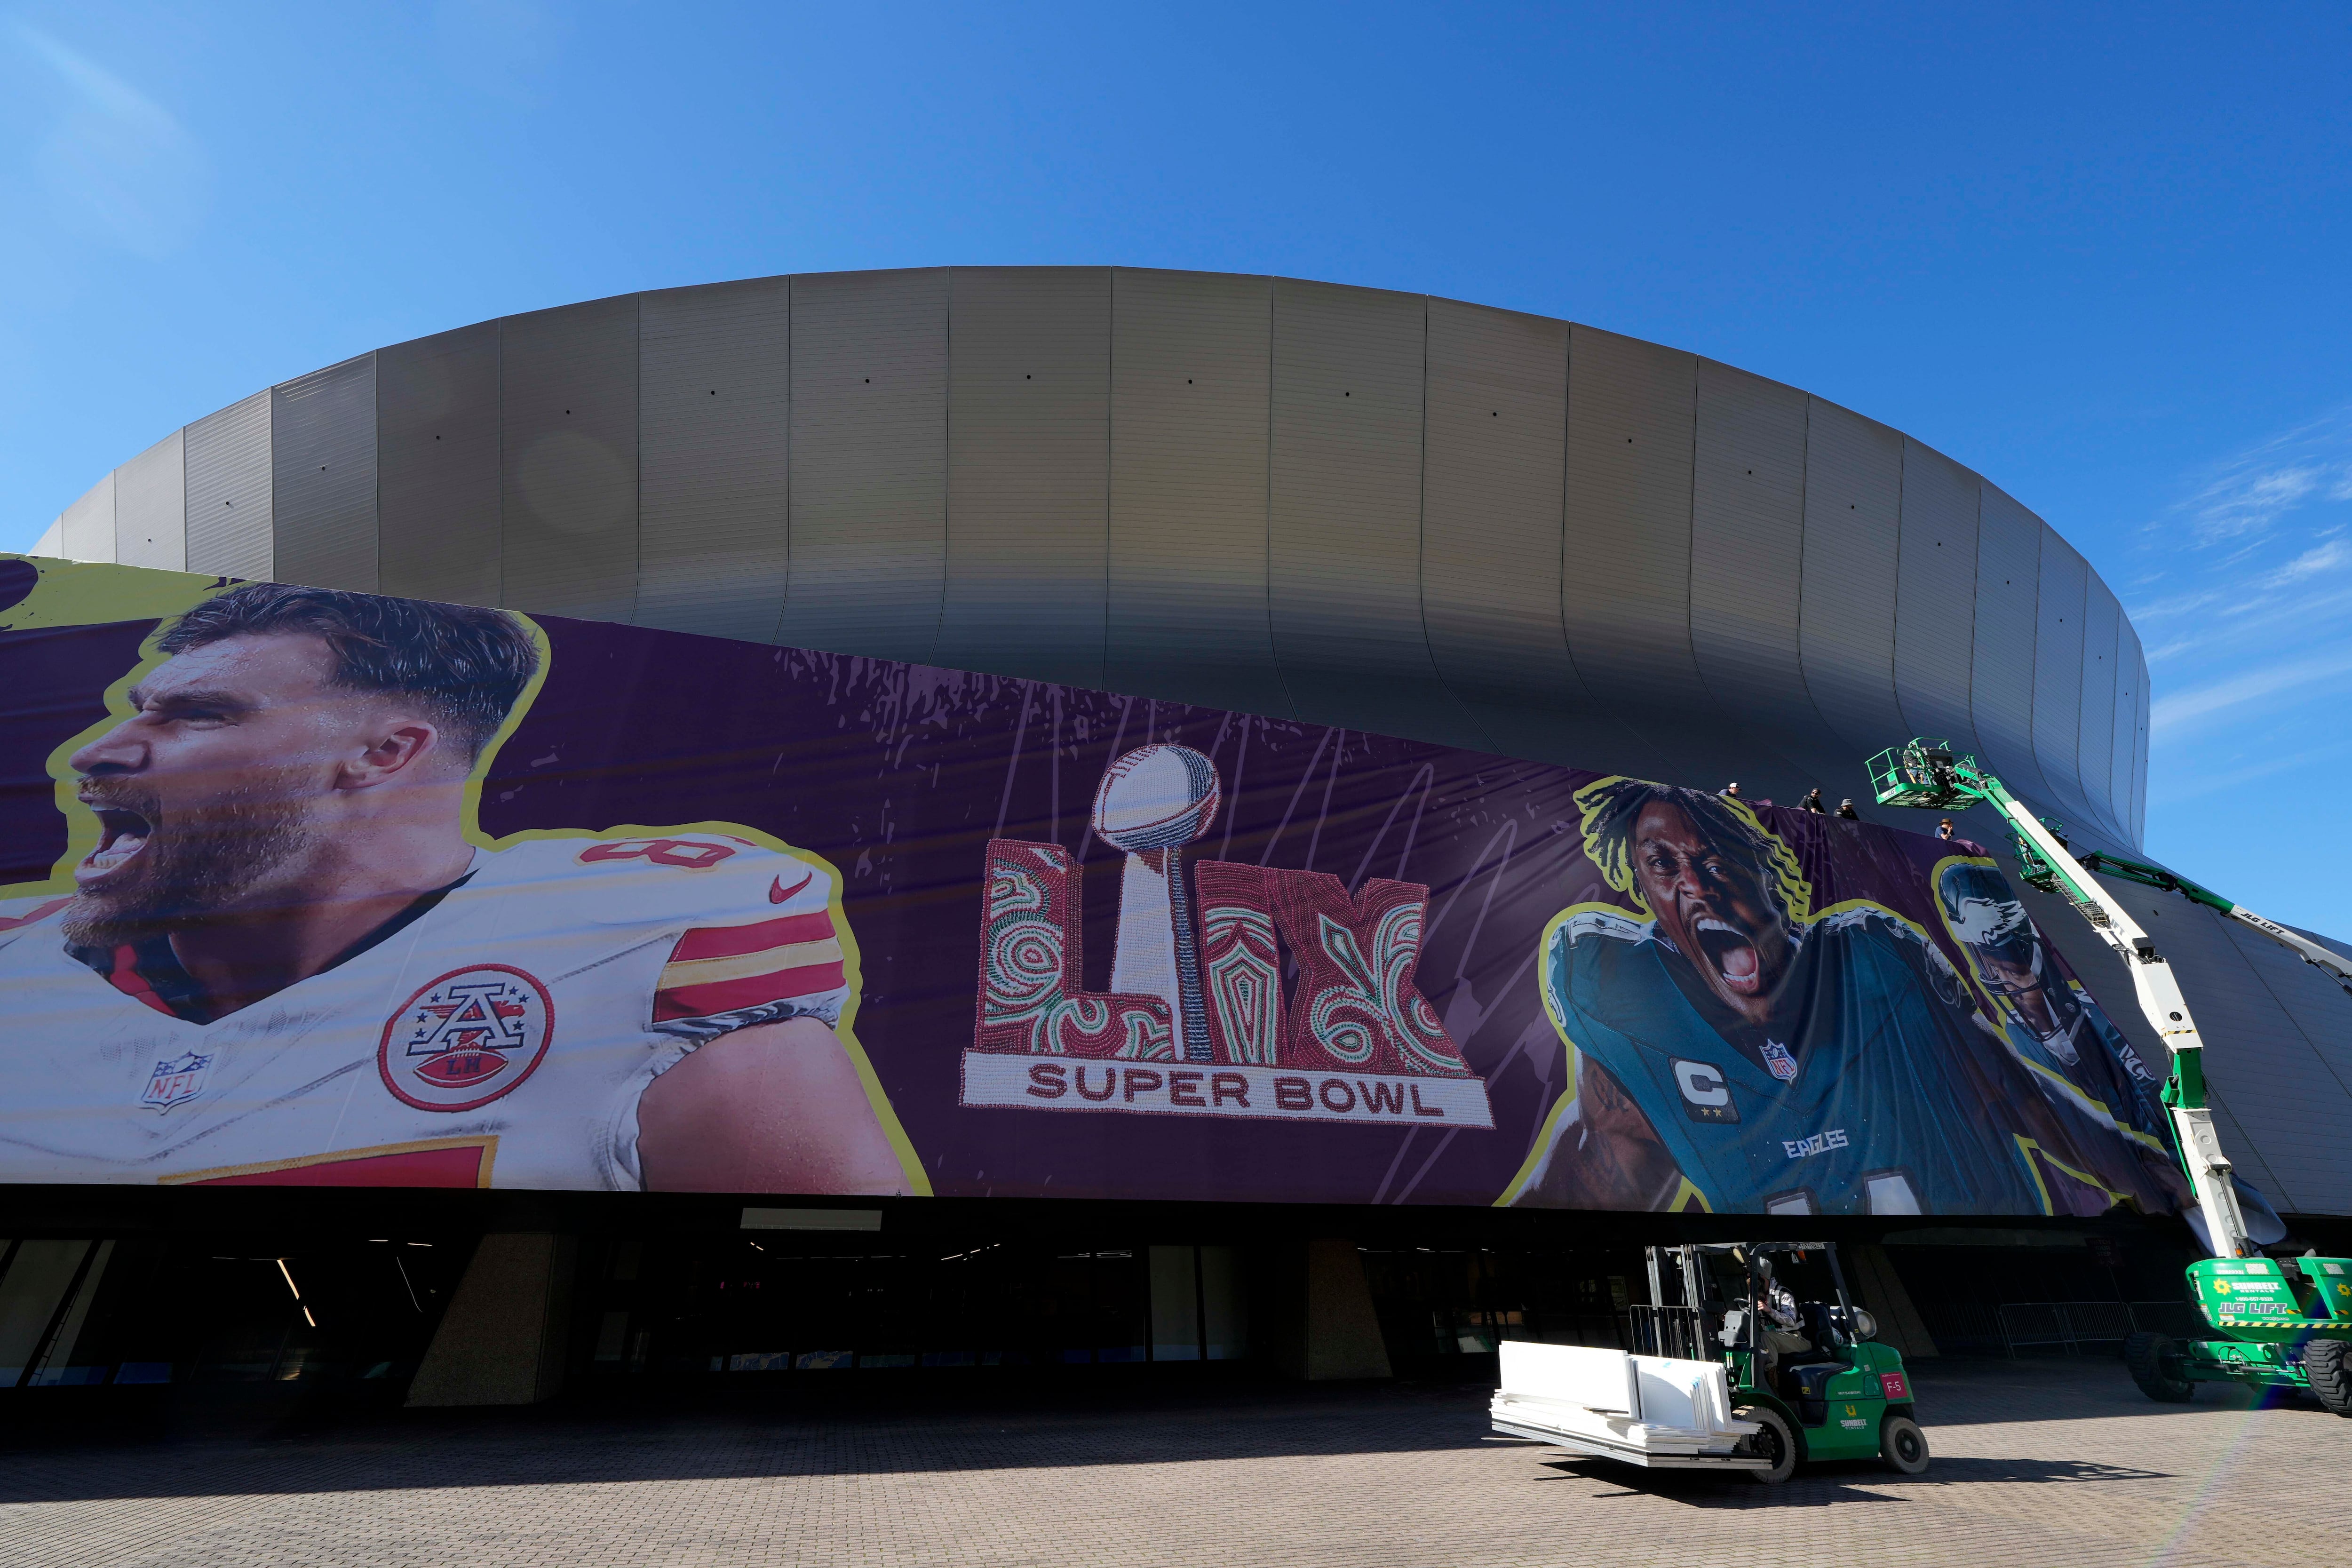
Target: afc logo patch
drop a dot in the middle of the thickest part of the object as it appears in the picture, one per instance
(464, 1039)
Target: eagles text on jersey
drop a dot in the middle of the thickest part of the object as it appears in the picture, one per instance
(500, 1032)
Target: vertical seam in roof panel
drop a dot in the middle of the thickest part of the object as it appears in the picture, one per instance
(776, 635)
(1567, 478)
(947, 459)
(1421, 531)
(376, 460)
(2141, 742)
(1804, 511)
(1111, 452)
(270, 438)
(1976, 565)
(1895, 646)
(1690, 548)
(2103, 798)
(499, 415)
(2033, 680)
(1463, 707)
(2028, 762)
(1265, 536)
(637, 427)
(2100, 794)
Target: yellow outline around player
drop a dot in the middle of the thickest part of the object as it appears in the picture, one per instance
(76, 594)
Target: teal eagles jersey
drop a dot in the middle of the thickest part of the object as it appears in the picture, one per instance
(2090, 1055)
(1883, 1098)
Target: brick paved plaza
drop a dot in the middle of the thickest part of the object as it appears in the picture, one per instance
(2053, 1463)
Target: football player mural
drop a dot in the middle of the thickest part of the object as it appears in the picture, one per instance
(1738, 1047)
(287, 959)
(302, 887)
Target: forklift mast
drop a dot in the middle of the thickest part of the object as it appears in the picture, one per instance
(1930, 775)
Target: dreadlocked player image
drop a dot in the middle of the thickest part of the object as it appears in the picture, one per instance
(286, 961)
(1736, 1050)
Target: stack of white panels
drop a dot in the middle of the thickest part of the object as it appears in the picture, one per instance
(1646, 1410)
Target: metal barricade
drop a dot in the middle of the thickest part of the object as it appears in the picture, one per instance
(2067, 1328)
(1964, 1328)
(2182, 1319)
(2070, 1327)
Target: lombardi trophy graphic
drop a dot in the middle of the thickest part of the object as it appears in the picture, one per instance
(1153, 802)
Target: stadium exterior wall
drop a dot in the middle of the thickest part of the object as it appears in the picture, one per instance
(1349, 507)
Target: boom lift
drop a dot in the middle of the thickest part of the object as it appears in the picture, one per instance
(2282, 1330)
(2333, 964)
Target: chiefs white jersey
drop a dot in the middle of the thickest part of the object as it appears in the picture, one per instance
(500, 1036)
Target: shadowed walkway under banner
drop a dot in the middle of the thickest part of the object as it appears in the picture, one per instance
(2036, 1463)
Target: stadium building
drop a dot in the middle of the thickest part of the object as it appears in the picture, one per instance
(1378, 512)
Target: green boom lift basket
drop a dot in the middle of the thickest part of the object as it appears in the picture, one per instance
(1927, 774)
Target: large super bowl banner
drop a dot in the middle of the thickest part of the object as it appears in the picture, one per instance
(326, 889)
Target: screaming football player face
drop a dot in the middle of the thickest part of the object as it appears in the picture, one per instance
(208, 796)
(1713, 909)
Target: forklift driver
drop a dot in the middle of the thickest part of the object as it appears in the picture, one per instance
(1777, 1339)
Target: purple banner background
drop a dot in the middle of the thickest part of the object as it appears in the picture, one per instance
(899, 775)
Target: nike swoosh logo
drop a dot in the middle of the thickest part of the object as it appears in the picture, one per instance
(778, 892)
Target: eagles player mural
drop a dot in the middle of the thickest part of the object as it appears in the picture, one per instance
(1736, 1048)
(288, 957)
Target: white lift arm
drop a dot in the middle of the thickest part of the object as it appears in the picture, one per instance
(1927, 774)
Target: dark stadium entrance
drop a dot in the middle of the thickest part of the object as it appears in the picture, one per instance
(114, 1302)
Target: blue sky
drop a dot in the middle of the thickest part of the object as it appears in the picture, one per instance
(2100, 254)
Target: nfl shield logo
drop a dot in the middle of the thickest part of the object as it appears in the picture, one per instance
(1783, 1065)
(181, 1078)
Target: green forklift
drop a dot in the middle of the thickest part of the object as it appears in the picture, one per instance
(1817, 1383)
(1743, 1374)
(2280, 1322)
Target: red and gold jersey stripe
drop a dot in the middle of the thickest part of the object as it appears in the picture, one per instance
(723, 969)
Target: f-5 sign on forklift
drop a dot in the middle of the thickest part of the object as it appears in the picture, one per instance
(2282, 1323)
(1748, 1379)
